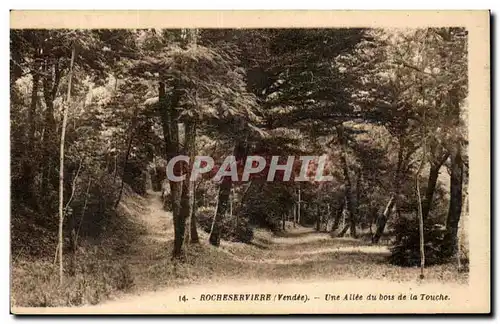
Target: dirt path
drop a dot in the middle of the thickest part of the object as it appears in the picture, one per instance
(158, 222)
(302, 261)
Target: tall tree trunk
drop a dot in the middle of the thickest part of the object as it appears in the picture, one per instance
(170, 127)
(455, 207)
(358, 195)
(50, 81)
(176, 192)
(61, 168)
(338, 216)
(231, 197)
(318, 219)
(328, 217)
(431, 186)
(32, 111)
(223, 197)
(222, 206)
(194, 229)
(420, 212)
(294, 213)
(179, 223)
(127, 155)
(299, 204)
(27, 191)
(187, 207)
(48, 149)
(382, 219)
(429, 192)
(347, 179)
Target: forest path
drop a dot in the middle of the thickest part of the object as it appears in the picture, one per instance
(157, 221)
(296, 260)
(299, 260)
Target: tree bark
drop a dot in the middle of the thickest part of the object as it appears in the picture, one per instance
(50, 83)
(455, 207)
(294, 213)
(431, 186)
(382, 220)
(223, 198)
(299, 204)
(358, 196)
(344, 230)
(61, 168)
(327, 217)
(27, 191)
(170, 127)
(318, 219)
(127, 155)
(222, 206)
(338, 216)
(347, 179)
(32, 111)
(419, 210)
(186, 211)
(194, 229)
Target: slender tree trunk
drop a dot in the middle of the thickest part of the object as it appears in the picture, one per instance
(299, 204)
(382, 220)
(231, 197)
(344, 230)
(115, 168)
(32, 111)
(294, 213)
(420, 214)
(194, 229)
(318, 219)
(455, 207)
(61, 168)
(223, 197)
(328, 216)
(125, 163)
(347, 179)
(358, 195)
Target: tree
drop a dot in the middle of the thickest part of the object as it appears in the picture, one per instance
(61, 168)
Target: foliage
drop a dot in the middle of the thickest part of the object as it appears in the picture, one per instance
(406, 247)
(240, 232)
(396, 94)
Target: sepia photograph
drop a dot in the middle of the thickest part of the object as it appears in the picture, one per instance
(249, 162)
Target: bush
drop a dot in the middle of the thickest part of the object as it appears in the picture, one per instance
(406, 249)
(243, 232)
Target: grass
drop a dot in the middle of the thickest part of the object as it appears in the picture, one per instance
(144, 264)
(96, 278)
